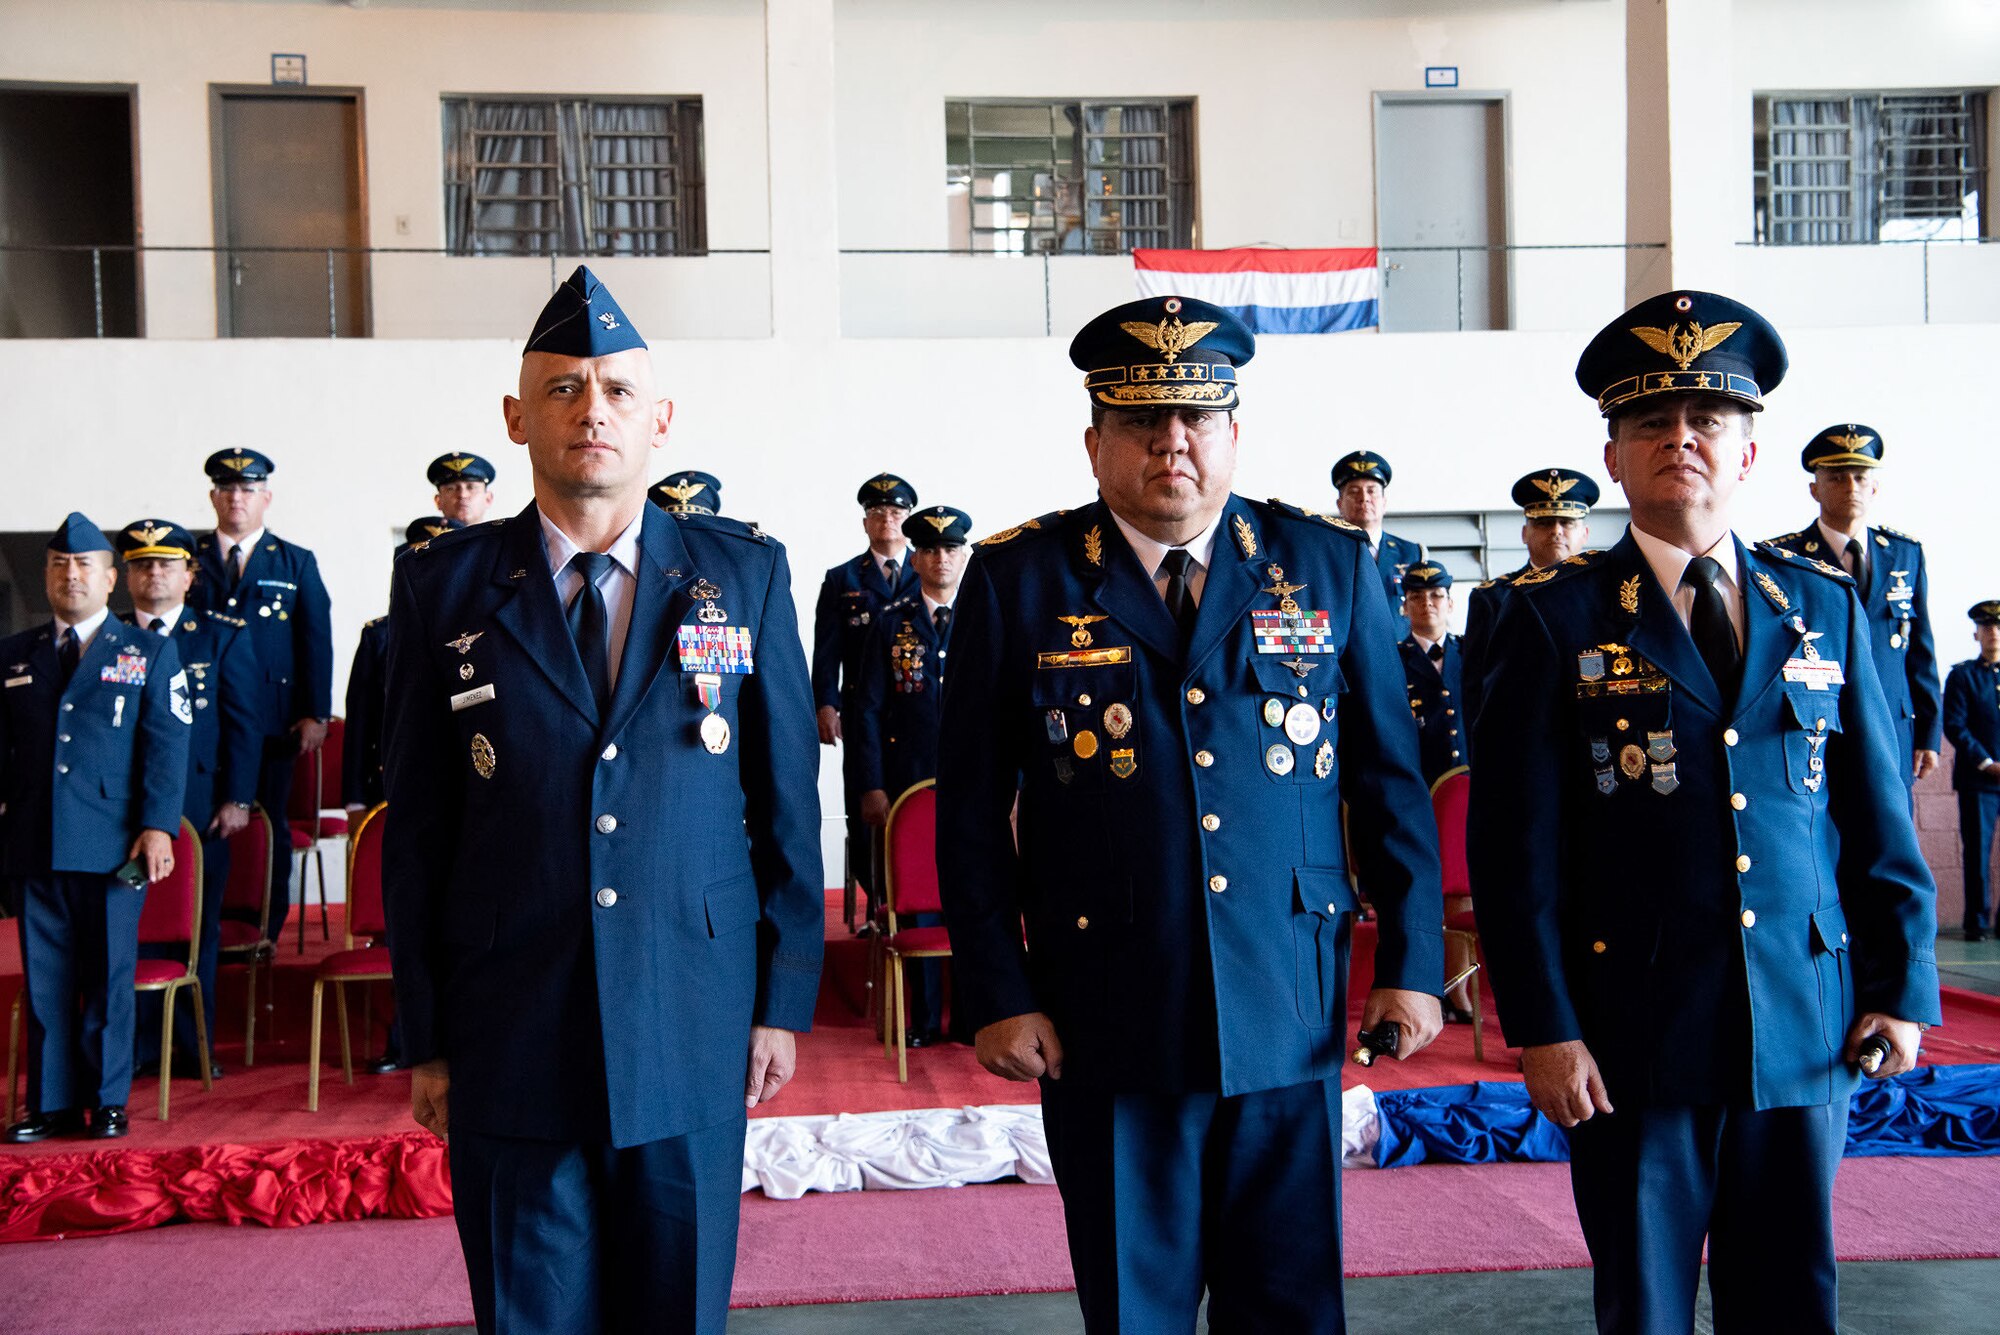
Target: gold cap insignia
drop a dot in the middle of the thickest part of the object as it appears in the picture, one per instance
(939, 522)
(1684, 343)
(149, 534)
(1555, 485)
(1169, 338)
(883, 483)
(458, 464)
(682, 491)
(1853, 442)
(238, 461)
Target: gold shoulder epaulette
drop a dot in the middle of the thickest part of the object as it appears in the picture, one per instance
(1025, 526)
(1791, 557)
(224, 616)
(1896, 533)
(371, 624)
(1569, 564)
(1331, 521)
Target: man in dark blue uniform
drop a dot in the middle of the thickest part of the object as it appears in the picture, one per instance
(1972, 722)
(1889, 574)
(273, 587)
(1555, 524)
(1699, 888)
(688, 491)
(225, 747)
(602, 861)
(851, 596)
(894, 741)
(1433, 664)
(464, 485)
(1361, 489)
(1176, 688)
(93, 757)
(368, 686)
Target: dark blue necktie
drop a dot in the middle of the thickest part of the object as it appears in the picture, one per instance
(941, 619)
(68, 652)
(1714, 633)
(590, 625)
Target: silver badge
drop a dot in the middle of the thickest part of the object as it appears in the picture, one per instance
(1302, 724)
(715, 734)
(1274, 712)
(1278, 758)
(465, 672)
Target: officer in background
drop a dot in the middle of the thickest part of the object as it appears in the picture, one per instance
(851, 596)
(1698, 885)
(1433, 663)
(1176, 687)
(225, 749)
(274, 588)
(1889, 574)
(688, 492)
(1361, 485)
(464, 485)
(1972, 722)
(1555, 524)
(894, 741)
(368, 685)
(601, 864)
(93, 757)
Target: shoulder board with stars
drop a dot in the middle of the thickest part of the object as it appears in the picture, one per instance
(735, 528)
(1896, 533)
(1789, 537)
(1568, 565)
(370, 625)
(1331, 521)
(229, 620)
(1791, 557)
(1025, 526)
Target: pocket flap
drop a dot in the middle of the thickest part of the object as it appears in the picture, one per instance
(1811, 709)
(1104, 683)
(1322, 675)
(1830, 930)
(1324, 891)
(732, 904)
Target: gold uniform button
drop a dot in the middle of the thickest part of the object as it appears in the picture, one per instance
(1211, 823)
(1738, 801)
(1597, 947)
(1218, 883)
(1082, 923)
(1749, 917)
(1447, 695)
(1302, 692)
(1743, 862)
(1729, 737)
(1204, 758)
(1450, 713)
(1623, 724)
(1196, 695)
(1083, 700)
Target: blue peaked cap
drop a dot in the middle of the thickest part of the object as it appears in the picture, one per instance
(77, 535)
(582, 319)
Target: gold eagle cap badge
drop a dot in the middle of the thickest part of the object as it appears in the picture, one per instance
(1853, 442)
(1684, 343)
(683, 492)
(149, 534)
(458, 464)
(938, 522)
(238, 461)
(883, 483)
(1555, 485)
(1169, 338)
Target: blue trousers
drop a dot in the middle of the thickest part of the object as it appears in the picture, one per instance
(562, 1237)
(79, 943)
(1170, 1195)
(1978, 808)
(1652, 1184)
(214, 876)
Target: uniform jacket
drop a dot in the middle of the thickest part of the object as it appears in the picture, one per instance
(1436, 698)
(84, 769)
(1899, 631)
(587, 916)
(226, 743)
(1706, 893)
(1972, 723)
(850, 598)
(1180, 866)
(1482, 609)
(1393, 556)
(283, 604)
(367, 692)
(895, 738)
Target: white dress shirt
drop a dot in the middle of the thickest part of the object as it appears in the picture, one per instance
(1151, 552)
(618, 585)
(931, 605)
(171, 617)
(86, 629)
(223, 543)
(1670, 563)
(1836, 542)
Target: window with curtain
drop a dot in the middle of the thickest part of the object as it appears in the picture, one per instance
(1069, 177)
(573, 176)
(1850, 167)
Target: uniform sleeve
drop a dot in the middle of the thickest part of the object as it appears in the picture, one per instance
(979, 769)
(242, 681)
(826, 646)
(163, 741)
(313, 649)
(780, 770)
(363, 745)
(1472, 650)
(1958, 719)
(1885, 886)
(1920, 662)
(1392, 833)
(871, 695)
(1514, 830)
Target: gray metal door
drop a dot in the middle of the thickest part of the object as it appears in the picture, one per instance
(1440, 180)
(288, 172)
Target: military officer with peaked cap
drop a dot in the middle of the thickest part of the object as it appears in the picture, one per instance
(274, 587)
(368, 685)
(225, 744)
(851, 597)
(1433, 671)
(1889, 575)
(1361, 488)
(93, 759)
(1699, 888)
(1555, 524)
(1972, 723)
(688, 492)
(601, 865)
(1177, 687)
(464, 485)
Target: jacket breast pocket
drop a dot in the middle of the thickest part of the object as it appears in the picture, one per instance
(1628, 743)
(1323, 906)
(1298, 716)
(1086, 723)
(1807, 719)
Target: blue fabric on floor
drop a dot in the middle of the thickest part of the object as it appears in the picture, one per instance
(1932, 1110)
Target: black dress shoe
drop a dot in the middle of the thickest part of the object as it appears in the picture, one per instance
(1457, 1015)
(1975, 934)
(189, 1068)
(929, 1038)
(109, 1122)
(386, 1066)
(43, 1126)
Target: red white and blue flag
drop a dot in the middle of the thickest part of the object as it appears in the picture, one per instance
(1272, 291)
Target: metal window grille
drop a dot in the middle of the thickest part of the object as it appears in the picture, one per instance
(573, 176)
(1070, 177)
(1868, 166)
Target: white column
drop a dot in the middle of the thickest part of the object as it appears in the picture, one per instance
(805, 242)
(1687, 146)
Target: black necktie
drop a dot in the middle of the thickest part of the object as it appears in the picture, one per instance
(158, 625)
(889, 572)
(1851, 558)
(236, 564)
(590, 626)
(941, 618)
(1180, 598)
(68, 650)
(1714, 635)
(1436, 653)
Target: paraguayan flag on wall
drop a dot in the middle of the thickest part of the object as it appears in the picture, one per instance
(1272, 291)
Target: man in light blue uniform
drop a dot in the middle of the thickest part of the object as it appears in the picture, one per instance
(1361, 488)
(93, 759)
(1699, 888)
(1972, 722)
(601, 863)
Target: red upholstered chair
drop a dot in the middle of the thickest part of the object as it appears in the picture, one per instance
(356, 964)
(246, 915)
(909, 885)
(313, 776)
(171, 914)
(1448, 799)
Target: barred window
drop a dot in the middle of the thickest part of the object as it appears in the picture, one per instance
(1069, 177)
(573, 176)
(1869, 167)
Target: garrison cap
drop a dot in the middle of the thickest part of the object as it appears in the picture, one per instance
(1849, 445)
(1986, 613)
(1163, 352)
(688, 492)
(938, 526)
(459, 468)
(147, 539)
(582, 319)
(887, 489)
(78, 535)
(238, 465)
(1362, 465)
(1680, 343)
(1555, 493)
(1426, 575)
(426, 528)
